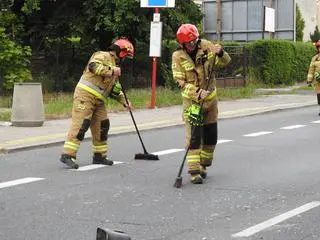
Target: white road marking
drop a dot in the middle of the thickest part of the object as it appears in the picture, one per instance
(318, 121)
(19, 182)
(94, 166)
(174, 150)
(169, 151)
(224, 141)
(273, 221)
(293, 127)
(256, 134)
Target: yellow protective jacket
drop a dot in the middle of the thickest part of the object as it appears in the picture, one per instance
(314, 67)
(191, 76)
(98, 78)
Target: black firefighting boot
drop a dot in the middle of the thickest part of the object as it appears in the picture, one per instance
(99, 159)
(203, 171)
(69, 160)
(196, 179)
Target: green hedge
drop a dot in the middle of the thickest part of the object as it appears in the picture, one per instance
(279, 62)
(303, 53)
(270, 62)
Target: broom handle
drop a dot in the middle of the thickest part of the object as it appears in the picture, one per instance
(192, 132)
(134, 122)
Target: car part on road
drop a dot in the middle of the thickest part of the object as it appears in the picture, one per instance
(107, 234)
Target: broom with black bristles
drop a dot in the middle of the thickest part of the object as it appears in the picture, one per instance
(145, 155)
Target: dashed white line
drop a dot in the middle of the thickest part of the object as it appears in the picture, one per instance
(174, 150)
(169, 151)
(318, 121)
(224, 141)
(293, 127)
(94, 166)
(256, 134)
(273, 221)
(19, 182)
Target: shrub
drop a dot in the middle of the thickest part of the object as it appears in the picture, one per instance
(271, 61)
(14, 62)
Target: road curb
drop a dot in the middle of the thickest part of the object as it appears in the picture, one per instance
(120, 130)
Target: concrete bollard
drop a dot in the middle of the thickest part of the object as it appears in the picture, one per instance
(27, 105)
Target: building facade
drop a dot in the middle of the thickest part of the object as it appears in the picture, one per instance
(310, 10)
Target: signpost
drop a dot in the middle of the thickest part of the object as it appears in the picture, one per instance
(157, 3)
(155, 39)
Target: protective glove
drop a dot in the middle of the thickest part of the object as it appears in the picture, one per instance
(317, 76)
(193, 115)
(115, 91)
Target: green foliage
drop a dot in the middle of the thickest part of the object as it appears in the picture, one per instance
(271, 61)
(303, 52)
(185, 11)
(13, 26)
(105, 21)
(14, 62)
(168, 47)
(279, 62)
(30, 6)
(300, 24)
(315, 36)
(64, 34)
(5, 5)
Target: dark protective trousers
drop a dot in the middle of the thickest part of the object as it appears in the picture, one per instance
(202, 140)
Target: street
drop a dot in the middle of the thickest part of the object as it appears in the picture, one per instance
(264, 185)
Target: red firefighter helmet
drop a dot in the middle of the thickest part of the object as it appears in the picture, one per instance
(126, 48)
(187, 33)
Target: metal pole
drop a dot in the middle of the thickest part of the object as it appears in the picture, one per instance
(263, 20)
(154, 77)
(219, 20)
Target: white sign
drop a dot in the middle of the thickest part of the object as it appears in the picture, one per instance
(269, 19)
(157, 3)
(155, 39)
(156, 17)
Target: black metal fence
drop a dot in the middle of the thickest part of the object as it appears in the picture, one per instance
(138, 73)
(236, 73)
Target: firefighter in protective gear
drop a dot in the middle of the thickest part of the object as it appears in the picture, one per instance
(314, 71)
(99, 81)
(192, 63)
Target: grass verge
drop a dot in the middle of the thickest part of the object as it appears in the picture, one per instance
(59, 105)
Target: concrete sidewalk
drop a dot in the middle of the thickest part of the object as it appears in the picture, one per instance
(54, 131)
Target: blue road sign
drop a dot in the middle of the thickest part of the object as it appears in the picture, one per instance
(158, 3)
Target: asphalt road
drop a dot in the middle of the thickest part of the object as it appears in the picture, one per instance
(264, 185)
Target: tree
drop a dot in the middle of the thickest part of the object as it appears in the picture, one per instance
(14, 62)
(300, 24)
(14, 55)
(315, 36)
(50, 24)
